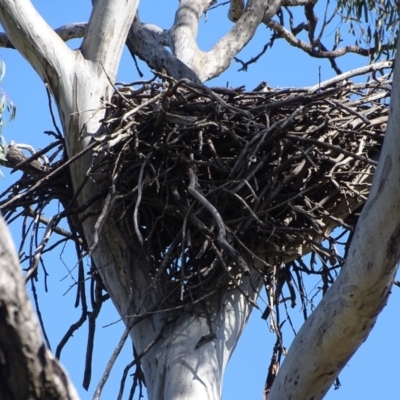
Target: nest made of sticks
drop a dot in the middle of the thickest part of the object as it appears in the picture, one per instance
(211, 176)
(211, 183)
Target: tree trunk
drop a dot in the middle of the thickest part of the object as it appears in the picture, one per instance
(189, 358)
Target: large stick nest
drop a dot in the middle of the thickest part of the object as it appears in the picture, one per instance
(212, 183)
(210, 176)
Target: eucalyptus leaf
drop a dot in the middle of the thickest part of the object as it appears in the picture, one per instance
(2, 69)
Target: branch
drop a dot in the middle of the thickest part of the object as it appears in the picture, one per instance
(220, 56)
(107, 31)
(71, 31)
(144, 40)
(182, 35)
(35, 39)
(339, 79)
(147, 42)
(315, 50)
(27, 368)
(294, 3)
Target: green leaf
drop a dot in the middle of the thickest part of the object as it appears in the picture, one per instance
(2, 70)
(365, 11)
(3, 103)
(12, 109)
(337, 37)
(3, 149)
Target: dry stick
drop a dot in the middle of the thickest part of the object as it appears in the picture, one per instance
(110, 363)
(250, 175)
(69, 333)
(243, 201)
(59, 134)
(139, 198)
(373, 97)
(282, 184)
(49, 229)
(31, 213)
(349, 110)
(221, 238)
(139, 107)
(36, 155)
(232, 278)
(208, 91)
(355, 72)
(48, 176)
(265, 263)
(123, 379)
(92, 316)
(239, 161)
(108, 204)
(333, 147)
(116, 353)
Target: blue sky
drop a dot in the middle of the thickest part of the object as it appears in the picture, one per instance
(371, 374)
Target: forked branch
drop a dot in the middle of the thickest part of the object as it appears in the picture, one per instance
(35, 39)
(221, 55)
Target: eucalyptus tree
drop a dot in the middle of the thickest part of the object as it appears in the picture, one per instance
(184, 355)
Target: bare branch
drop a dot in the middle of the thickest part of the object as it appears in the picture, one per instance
(147, 42)
(71, 31)
(294, 3)
(105, 37)
(316, 51)
(221, 55)
(337, 80)
(182, 35)
(34, 38)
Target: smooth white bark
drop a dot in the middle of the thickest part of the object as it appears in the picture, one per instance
(35, 40)
(182, 35)
(207, 65)
(348, 311)
(185, 365)
(66, 32)
(221, 55)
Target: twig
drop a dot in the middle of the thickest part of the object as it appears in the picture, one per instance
(221, 238)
